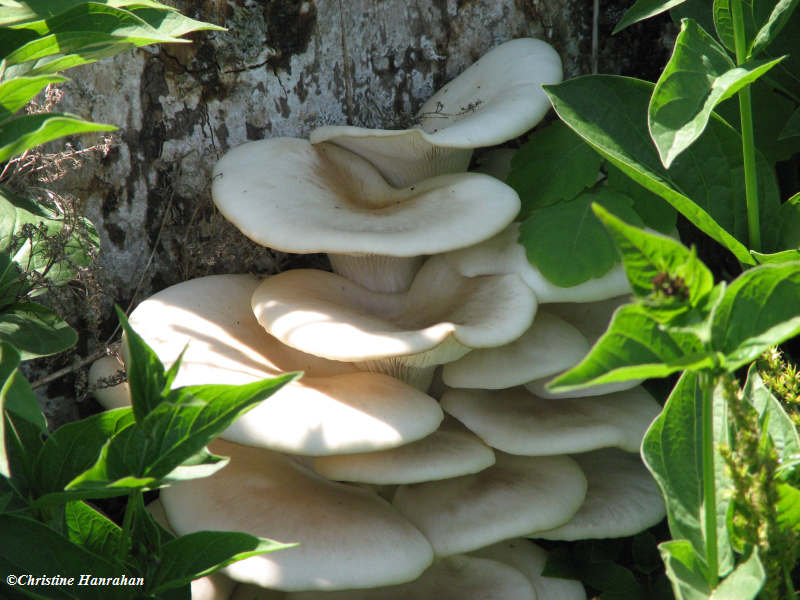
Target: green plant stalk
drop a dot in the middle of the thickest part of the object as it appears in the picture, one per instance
(748, 141)
(709, 483)
(127, 521)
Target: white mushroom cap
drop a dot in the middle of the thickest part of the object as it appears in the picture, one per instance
(332, 409)
(458, 577)
(503, 254)
(623, 499)
(102, 374)
(438, 320)
(517, 422)
(469, 512)
(287, 194)
(216, 586)
(530, 559)
(550, 346)
(591, 319)
(445, 453)
(349, 537)
(498, 98)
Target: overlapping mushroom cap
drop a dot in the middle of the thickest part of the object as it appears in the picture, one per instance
(438, 320)
(349, 537)
(517, 422)
(498, 98)
(503, 501)
(503, 254)
(289, 195)
(622, 499)
(332, 409)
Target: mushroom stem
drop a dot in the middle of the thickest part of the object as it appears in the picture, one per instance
(377, 272)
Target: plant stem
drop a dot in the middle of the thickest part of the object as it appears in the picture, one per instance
(748, 142)
(709, 477)
(126, 526)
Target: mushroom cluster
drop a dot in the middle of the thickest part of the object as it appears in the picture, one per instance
(421, 448)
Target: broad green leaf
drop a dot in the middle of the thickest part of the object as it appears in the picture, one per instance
(555, 164)
(16, 93)
(20, 13)
(780, 427)
(644, 9)
(744, 582)
(635, 346)
(567, 242)
(35, 330)
(147, 535)
(30, 547)
(653, 209)
(23, 440)
(648, 257)
(776, 257)
(75, 447)
(167, 443)
(686, 570)
(758, 310)
(19, 398)
(792, 127)
(788, 507)
(94, 17)
(172, 23)
(146, 376)
(723, 22)
(88, 528)
(705, 183)
(699, 75)
(790, 222)
(786, 75)
(672, 451)
(204, 552)
(23, 133)
(780, 15)
(9, 362)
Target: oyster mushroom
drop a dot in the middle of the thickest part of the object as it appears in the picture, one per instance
(289, 195)
(498, 98)
(439, 319)
(348, 537)
(333, 409)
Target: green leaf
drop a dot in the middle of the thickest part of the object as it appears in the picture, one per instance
(653, 209)
(29, 547)
(172, 23)
(169, 443)
(705, 183)
(776, 257)
(20, 13)
(788, 507)
(758, 310)
(635, 346)
(555, 164)
(769, 31)
(146, 376)
(648, 256)
(790, 222)
(16, 93)
(567, 242)
(723, 22)
(23, 133)
(204, 552)
(9, 361)
(792, 127)
(780, 427)
(88, 528)
(744, 582)
(35, 330)
(699, 75)
(644, 9)
(75, 447)
(686, 570)
(672, 451)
